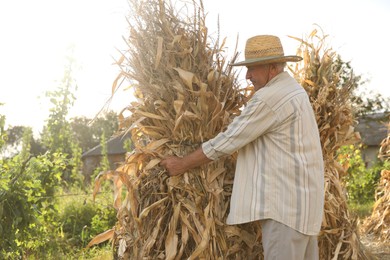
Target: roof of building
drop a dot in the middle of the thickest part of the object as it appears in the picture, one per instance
(115, 145)
(373, 128)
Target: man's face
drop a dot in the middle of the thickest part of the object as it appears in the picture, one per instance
(259, 75)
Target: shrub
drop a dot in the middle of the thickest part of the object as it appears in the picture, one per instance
(360, 182)
(83, 219)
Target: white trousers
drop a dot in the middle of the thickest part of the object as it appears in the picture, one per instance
(281, 242)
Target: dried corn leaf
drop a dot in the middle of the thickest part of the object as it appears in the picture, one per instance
(171, 240)
(106, 235)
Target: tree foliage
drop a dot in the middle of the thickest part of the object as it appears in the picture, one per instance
(370, 102)
(364, 99)
(89, 132)
(57, 132)
(14, 141)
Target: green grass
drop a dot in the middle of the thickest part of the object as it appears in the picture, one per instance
(81, 219)
(361, 210)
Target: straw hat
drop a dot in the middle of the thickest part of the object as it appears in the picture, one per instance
(264, 49)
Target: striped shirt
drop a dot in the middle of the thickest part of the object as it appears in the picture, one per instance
(279, 171)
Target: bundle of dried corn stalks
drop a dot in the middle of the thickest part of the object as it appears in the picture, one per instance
(379, 221)
(330, 91)
(186, 94)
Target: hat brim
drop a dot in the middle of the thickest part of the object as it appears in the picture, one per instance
(267, 60)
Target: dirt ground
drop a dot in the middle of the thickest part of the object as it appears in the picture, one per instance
(378, 249)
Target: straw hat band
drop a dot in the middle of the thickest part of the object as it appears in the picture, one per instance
(277, 51)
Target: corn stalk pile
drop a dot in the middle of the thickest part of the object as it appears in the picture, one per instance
(379, 221)
(186, 94)
(329, 90)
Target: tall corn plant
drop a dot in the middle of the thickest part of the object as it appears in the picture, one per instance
(186, 94)
(330, 91)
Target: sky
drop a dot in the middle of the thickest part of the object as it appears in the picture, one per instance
(36, 37)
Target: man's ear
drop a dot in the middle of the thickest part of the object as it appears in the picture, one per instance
(273, 68)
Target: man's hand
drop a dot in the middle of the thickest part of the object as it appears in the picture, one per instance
(174, 165)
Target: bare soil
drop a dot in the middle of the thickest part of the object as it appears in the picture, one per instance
(377, 248)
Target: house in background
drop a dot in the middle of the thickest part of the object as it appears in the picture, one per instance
(373, 129)
(116, 154)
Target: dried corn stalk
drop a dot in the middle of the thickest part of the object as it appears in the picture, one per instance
(384, 150)
(320, 74)
(379, 221)
(186, 94)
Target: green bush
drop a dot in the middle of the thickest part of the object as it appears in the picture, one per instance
(82, 219)
(38, 223)
(360, 182)
(28, 209)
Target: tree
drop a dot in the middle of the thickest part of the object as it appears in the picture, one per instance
(363, 100)
(88, 132)
(370, 102)
(107, 124)
(14, 140)
(82, 131)
(57, 132)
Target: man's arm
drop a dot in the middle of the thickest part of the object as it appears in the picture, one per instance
(177, 165)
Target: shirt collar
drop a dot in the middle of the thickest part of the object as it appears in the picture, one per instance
(282, 75)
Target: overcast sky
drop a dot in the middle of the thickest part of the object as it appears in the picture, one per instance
(36, 35)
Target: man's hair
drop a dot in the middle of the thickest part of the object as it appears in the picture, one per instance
(280, 65)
